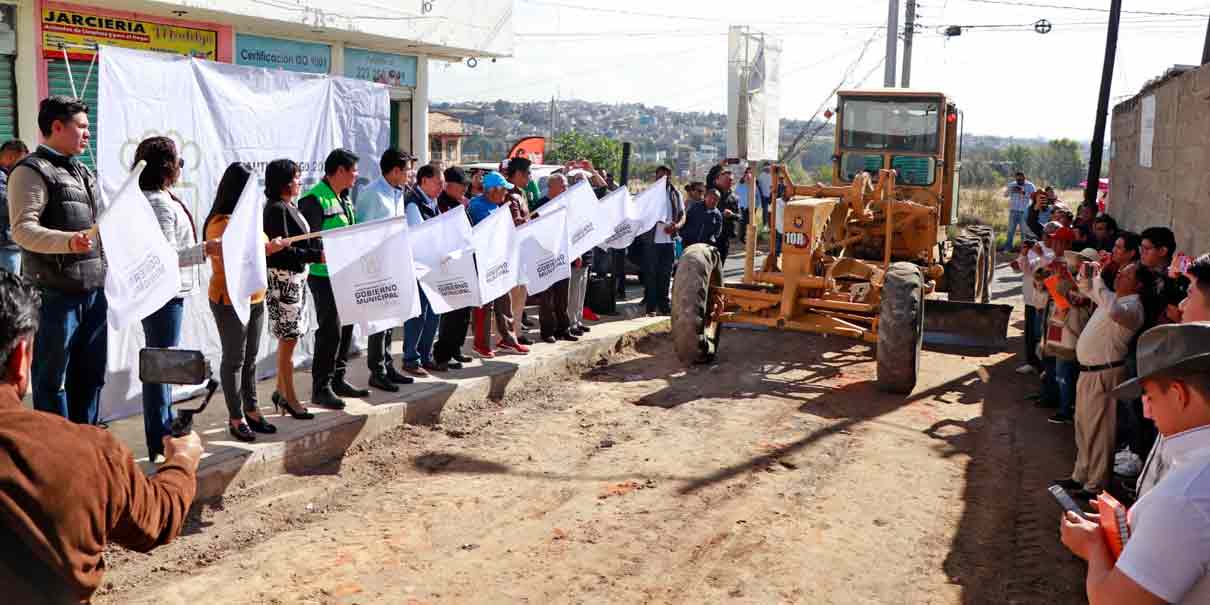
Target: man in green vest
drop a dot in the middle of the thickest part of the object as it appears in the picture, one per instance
(327, 206)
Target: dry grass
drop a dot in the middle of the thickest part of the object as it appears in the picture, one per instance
(990, 207)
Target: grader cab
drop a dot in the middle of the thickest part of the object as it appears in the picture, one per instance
(860, 257)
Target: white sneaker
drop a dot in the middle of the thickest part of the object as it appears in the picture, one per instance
(1026, 370)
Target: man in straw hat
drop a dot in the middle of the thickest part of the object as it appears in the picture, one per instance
(1165, 559)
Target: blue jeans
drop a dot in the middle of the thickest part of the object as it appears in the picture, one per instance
(1016, 219)
(69, 355)
(161, 330)
(1050, 383)
(10, 260)
(1033, 334)
(1067, 373)
(418, 335)
(657, 276)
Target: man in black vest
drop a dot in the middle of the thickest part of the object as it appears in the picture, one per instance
(419, 332)
(53, 203)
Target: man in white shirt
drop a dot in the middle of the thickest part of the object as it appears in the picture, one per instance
(1020, 194)
(1168, 554)
(1101, 352)
(383, 199)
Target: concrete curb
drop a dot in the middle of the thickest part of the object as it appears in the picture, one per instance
(326, 438)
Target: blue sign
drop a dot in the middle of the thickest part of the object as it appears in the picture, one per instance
(288, 55)
(383, 68)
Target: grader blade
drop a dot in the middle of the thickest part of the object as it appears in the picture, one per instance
(966, 324)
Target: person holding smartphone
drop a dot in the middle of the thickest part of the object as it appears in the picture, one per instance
(1020, 192)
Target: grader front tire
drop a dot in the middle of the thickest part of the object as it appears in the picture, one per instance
(695, 334)
(900, 328)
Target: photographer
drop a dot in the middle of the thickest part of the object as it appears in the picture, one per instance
(1020, 192)
(66, 490)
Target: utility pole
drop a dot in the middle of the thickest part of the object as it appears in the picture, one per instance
(1098, 132)
(1206, 47)
(909, 29)
(892, 42)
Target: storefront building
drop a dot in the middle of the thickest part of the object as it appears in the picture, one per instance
(49, 47)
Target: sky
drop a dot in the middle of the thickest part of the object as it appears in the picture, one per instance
(1007, 79)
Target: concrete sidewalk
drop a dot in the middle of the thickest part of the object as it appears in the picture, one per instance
(301, 445)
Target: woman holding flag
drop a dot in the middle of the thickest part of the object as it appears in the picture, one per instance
(162, 329)
(240, 341)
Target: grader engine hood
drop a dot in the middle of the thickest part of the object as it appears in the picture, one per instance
(804, 222)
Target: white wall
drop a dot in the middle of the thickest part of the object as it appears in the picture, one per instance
(27, 66)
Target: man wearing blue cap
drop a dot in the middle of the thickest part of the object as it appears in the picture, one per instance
(495, 195)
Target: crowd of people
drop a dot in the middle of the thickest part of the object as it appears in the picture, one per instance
(52, 204)
(1115, 327)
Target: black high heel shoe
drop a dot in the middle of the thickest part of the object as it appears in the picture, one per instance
(282, 406)
(241, 432)
(260, 425)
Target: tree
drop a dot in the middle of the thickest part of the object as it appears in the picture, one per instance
(1062, 165)
(603, 152)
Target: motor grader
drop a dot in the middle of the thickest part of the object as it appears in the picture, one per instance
(860, 257)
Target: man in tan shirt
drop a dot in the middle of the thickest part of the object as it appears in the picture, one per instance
(68, 489)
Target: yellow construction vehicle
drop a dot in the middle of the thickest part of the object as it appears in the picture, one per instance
(860, 257)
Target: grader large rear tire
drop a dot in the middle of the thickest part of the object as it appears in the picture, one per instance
(694, 333)
(963, 272)
(900, 328)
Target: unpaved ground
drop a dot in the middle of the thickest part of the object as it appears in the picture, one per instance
(779, 475)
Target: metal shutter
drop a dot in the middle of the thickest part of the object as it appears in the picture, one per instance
(8, 99)
(58, 83)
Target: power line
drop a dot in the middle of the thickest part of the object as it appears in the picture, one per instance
(1083, 8)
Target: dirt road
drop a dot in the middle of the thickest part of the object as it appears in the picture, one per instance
(778, 475)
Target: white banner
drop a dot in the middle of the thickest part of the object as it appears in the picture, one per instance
(244, 252)
(445, 261)
(543, 244)
(217, 114)
(143, 273)
(497, 255)
(373, 275)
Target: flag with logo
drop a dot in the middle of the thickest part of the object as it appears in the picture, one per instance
(445, 261)
(143, 273)
(244, 252)
(588, 221)
(497, 255)
(372, 273)
(543, 244)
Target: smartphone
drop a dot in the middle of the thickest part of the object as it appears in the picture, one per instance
(1184, 262)
(172, 366)
(732, 161)
(1089, 270)
(1064, 499)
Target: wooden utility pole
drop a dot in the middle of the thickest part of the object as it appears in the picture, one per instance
(909, 29)
(1098, 133)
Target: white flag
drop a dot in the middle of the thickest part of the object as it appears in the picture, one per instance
(587, 223)
(244, 251)
(372, 274)
(445, 261)
(497, 255)
(643, 212)
(143, 273)
(544, 259)
(615, 210)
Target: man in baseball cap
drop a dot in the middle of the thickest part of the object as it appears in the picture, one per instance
(1166, 558)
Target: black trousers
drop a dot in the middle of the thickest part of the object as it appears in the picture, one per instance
(331, 340)
(451, 333)
(552, 314)
(378, 352)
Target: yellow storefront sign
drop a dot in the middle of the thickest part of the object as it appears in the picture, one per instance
(80, 32)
